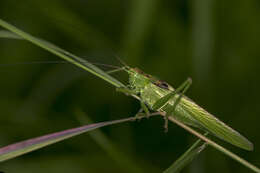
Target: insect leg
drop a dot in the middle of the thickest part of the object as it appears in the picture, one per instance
(139, 114)
(126, 91)
(145, 108)
(162, 101)
(124, 68)
(114, 71)
(184, 87)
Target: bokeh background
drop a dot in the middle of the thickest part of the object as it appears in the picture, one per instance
(214, 42)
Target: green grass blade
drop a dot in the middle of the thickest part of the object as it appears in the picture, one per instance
(17, 149)
(8, 34)
(62, 54)
(215, 145)
(187, 157)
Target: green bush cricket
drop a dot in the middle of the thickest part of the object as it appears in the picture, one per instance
(160, 96)
(157, 95)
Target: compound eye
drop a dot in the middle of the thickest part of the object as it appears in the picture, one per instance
(161, 84)
(164, 85)
(148, 76)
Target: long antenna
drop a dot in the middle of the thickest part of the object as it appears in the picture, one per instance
(120, 60)
(56, 62)
(34, 62)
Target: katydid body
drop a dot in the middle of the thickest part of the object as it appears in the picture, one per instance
(152, 90)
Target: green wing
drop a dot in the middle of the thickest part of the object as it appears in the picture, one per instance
(215, 126)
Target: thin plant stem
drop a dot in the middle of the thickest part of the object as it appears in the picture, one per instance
(63, 54)
(215, 145)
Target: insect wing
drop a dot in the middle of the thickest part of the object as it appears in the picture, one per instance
(215, 126)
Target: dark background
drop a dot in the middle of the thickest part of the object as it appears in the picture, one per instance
(214, 42)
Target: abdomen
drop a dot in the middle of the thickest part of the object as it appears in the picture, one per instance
(151, 93)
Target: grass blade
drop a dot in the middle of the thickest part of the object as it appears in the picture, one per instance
(215, 145)
(17, 149)
(187, 157)
(62, 54)
(8, 34)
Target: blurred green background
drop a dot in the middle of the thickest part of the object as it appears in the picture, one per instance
(214, 42)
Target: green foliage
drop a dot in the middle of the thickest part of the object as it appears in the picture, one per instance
(187, 157)
(214, 43)
(20, 148)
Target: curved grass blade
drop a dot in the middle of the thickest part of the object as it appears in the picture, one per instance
(62, 54)
(17, 149)
(187, 157)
